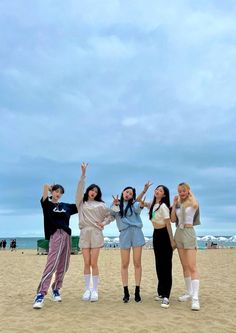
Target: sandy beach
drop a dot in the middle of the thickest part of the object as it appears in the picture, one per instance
(21, 271)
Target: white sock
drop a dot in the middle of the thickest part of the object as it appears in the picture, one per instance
(188, 284)
(87, 281)
(95, 282)
(195, 287)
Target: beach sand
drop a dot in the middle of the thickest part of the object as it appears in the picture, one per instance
(21, 271)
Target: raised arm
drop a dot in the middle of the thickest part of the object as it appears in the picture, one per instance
(145, 189)
(80, 188)
(143, 203)
(46, 188)
(173, 216)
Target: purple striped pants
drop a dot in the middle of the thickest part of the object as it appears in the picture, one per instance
(57, 261)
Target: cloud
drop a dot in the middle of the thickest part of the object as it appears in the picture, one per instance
(140, 91)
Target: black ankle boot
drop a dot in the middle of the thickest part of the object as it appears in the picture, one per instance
(137, 296)
(126, 295)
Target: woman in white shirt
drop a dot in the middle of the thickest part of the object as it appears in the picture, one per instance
(93, 215)
(185, 211)
(163, 243)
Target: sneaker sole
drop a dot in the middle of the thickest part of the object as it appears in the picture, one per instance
(164, 306)
(37, 307)
(184, 300)
(195, 309)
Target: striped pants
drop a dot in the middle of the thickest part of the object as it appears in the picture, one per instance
(57, 261)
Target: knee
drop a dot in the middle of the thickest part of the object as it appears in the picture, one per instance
(193, 269)
(137, 265)
(124, 265)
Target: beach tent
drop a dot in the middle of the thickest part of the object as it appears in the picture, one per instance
(74, 244)
(43, 245)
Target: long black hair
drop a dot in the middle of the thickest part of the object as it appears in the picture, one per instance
(98, 196)
(130, 202)
(165, 199)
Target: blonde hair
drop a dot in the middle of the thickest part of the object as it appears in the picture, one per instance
(186, 185)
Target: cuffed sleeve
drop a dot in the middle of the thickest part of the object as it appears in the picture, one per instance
(109, 216)
(137, 208)
(73, 209)
(80, 191)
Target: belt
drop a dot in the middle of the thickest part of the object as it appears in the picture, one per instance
(188, 225)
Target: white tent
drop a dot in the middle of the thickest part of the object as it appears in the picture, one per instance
(209, 238)
(222, 239)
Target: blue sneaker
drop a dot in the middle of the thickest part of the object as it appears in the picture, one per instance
(56, 297)
(38, 301)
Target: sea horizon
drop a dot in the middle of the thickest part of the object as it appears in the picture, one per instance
(27, 242)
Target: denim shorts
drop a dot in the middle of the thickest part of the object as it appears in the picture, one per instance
(131, 237)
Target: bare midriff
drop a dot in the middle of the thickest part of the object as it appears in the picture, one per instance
(158, 226)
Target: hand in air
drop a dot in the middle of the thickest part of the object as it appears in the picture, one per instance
(176, 199)
(146, 186)
(116, 200)
(50, 187)
(83, 168)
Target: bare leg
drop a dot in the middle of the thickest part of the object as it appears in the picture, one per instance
(94, 260)
(125, 258)
(190, 256)
(137, 254)
(184, 262)
(87, 261)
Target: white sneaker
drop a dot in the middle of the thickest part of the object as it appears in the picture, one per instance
(195, 304)
(38, 301)
(56, 297)
(165, 303)
(94, 296)
(86, 295)
(184, 298)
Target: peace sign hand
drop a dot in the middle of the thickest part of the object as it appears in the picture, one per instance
(116, 200)
(83, 168)
(176, 199)
(146, 186)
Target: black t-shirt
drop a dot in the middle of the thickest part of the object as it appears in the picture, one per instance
(56, 216)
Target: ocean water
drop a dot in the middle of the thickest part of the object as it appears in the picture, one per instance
(111, 242)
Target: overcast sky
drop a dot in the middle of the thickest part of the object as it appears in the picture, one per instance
(141, 90)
